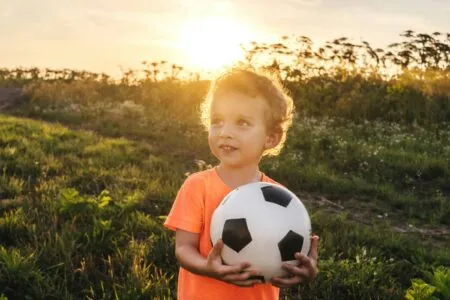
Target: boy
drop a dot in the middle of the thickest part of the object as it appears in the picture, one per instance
(247, 116)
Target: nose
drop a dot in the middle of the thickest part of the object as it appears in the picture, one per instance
(226, 131)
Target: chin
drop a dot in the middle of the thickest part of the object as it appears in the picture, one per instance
(230, 164)
(235, 165)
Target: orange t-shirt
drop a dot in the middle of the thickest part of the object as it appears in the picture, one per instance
(192, 211)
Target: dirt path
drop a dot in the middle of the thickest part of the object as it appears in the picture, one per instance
(8, 96)
(438, 235)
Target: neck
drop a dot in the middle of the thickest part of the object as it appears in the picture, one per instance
(234, 177)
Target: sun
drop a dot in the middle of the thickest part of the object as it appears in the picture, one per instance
(212, 43)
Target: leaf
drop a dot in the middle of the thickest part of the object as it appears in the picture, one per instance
(420, 290)
(104, 201)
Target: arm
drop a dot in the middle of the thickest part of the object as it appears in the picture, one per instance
(187, 254)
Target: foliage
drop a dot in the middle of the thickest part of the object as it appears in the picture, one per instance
(91, 229)
(82, 202)
(402, 168)
(420, 290)
(438, 288)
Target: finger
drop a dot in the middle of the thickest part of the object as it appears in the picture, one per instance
(302, 259)
(244, 266)
(305, 261)
(245, 283)
(236, 269)
(314, 246)
(216, 252)
(307, 266)
(246, 276)
(285, 282)
(225, 270)
(217, 249)
(297, 271)
(243, 275)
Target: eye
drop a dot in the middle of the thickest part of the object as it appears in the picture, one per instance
(243, 122)
(216, 121)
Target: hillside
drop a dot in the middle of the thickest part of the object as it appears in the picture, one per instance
(81, 211)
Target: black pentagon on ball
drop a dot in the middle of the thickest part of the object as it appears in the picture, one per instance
(291, 243)
(276, 195)
(235, 234)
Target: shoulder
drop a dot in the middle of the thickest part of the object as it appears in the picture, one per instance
(199, 178)
(201, 175)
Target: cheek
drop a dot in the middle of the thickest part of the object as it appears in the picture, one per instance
(211, 137)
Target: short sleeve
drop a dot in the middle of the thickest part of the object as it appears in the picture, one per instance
(187, 209)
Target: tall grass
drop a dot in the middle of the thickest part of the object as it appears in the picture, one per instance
(84, 222)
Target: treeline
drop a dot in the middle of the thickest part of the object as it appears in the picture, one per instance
(408, 82)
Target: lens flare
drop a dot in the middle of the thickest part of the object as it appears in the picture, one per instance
(213, 43)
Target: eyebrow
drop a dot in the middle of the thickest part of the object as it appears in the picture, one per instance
(239, 116)
(246, 117)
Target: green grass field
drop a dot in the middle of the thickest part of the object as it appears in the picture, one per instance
(82, 203)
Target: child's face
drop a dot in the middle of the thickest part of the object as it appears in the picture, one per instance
(238, 133)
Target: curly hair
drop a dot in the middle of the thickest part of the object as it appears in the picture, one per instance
(254, 84)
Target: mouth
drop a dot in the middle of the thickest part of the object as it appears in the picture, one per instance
(227, 147)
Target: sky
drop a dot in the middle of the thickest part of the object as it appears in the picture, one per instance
(114, 35)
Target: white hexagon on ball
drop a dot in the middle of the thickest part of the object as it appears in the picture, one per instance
(264, 224)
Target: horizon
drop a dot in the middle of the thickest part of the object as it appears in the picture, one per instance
(200, 35)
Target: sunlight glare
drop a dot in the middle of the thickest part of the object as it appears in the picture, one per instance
(213, 43)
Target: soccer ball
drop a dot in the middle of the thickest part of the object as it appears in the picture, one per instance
(263, 224)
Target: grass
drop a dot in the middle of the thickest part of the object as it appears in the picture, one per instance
(80, 213)
(404, 168)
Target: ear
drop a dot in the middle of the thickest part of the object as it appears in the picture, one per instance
(273, 138)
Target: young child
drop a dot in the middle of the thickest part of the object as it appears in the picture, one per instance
(247, 116)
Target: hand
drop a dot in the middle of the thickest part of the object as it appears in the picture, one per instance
(305, 271)
(237, 274)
